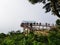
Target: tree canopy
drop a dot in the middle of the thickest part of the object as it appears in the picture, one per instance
(50, 5)
(15, 38)
(58, 21)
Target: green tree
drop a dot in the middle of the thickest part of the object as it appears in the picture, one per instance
(17, 38)
(58, 22)
(50, 5)
(2, 38)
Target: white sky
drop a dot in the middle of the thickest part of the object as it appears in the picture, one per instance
(13, 12)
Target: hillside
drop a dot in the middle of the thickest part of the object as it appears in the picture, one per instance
(36, 37)
(18, 38)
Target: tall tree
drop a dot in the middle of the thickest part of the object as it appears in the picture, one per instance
(50, 5)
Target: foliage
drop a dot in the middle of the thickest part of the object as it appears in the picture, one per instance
(18, 38)
(58, 22)
(50, 5)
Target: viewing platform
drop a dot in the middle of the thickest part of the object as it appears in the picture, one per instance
(36, 26)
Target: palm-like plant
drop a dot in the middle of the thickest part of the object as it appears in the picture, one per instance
(52, 5)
